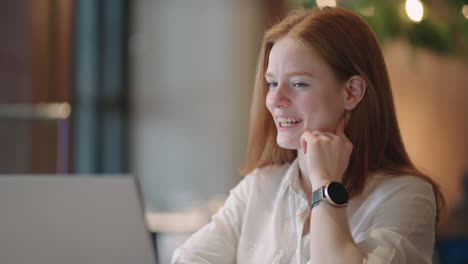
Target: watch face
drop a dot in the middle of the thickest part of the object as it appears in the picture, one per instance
(337, 193)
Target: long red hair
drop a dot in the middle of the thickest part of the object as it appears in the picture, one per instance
(349, 46)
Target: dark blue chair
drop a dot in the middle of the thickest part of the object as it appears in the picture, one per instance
(452, 251)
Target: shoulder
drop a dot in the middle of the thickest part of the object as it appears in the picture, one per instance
(387, 189)
(397, 203)
(396, 222)
(385, 184)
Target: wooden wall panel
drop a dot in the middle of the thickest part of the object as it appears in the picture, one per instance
(51, 60)
(430, 94)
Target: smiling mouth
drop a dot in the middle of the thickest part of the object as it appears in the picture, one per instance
(287, 122)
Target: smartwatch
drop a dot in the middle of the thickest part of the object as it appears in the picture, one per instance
(334, 193)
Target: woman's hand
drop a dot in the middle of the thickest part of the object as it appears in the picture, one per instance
(327, 154)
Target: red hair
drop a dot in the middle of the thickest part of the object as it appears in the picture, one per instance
(349, 46)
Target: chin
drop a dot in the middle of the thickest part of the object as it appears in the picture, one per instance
(288, 144)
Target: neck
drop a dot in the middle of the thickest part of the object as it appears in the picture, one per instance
(303, 173)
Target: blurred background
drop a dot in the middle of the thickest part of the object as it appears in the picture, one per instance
(161, 89)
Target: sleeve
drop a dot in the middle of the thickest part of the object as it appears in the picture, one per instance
(403, 227)
(217, 241)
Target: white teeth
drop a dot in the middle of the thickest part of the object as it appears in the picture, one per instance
(288, 120)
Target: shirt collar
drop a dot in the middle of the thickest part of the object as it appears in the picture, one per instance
(291, 180)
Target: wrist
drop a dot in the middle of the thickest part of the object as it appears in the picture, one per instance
(320, 182)
(334, 192)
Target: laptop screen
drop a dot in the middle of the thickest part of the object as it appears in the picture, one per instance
(72, 219)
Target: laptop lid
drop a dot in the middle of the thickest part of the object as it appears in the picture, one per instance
(58, 219)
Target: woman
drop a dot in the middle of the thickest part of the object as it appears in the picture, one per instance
(328, 178)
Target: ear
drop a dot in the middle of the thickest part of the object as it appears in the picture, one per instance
(355, 88)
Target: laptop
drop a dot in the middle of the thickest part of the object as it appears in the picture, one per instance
(73, 219)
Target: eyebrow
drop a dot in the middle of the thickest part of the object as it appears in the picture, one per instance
(269, 74)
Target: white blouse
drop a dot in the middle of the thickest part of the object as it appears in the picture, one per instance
(262, 221)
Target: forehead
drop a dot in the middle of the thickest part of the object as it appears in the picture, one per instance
(288, 54)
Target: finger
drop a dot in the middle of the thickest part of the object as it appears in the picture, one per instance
(323, 134)
(307, 136)
(328, 134)
(304, 146)
(303, 142)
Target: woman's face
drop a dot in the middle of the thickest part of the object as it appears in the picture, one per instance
(304, 93)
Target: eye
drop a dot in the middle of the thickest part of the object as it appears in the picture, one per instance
(299, 85)
(272, 85)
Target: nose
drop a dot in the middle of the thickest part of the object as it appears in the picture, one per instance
(279, 97)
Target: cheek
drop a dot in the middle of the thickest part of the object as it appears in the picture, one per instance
(321, 112)
(310, 105)
(269, 103)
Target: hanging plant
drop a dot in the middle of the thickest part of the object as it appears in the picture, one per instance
(441, 26)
